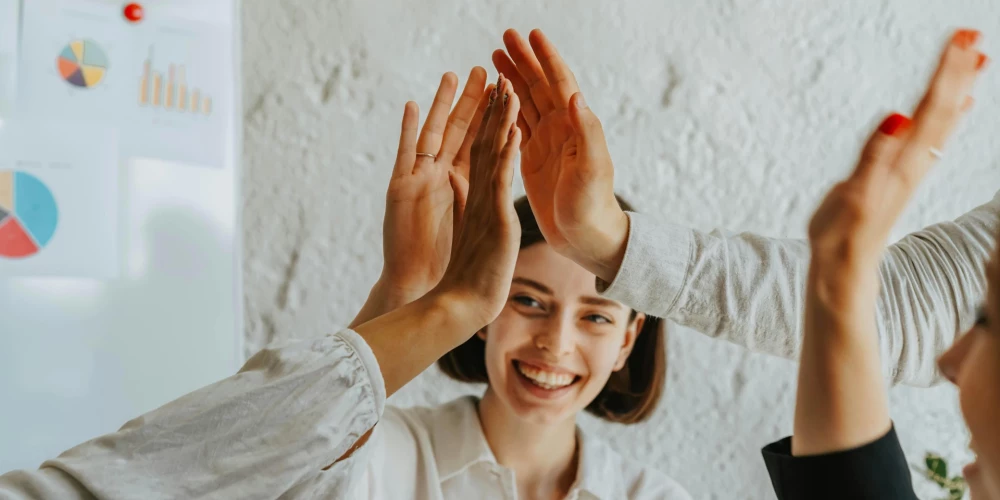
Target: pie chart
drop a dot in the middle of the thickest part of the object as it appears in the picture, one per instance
(83, 63)
(28, 215)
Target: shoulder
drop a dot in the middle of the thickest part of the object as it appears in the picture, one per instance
(430, 418)
(428, 426)
(636, 481)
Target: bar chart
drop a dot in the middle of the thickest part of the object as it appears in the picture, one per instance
(169, 90)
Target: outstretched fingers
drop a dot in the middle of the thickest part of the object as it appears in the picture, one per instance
(938, 114)
(433, 131)
(561, 80)
(530, 70)
(462, 118)
(407, 152)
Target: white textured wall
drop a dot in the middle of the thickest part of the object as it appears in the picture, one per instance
(719, 113)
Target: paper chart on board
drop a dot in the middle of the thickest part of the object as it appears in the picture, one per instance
(166, 84)
(59, 201)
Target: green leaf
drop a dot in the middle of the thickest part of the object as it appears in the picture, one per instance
(956, 494)
(937, 469)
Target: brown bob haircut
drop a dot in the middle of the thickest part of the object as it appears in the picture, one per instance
(630, 395)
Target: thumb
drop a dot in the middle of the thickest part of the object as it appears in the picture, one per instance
(585, 123)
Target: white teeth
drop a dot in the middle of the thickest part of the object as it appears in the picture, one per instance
(545, 379)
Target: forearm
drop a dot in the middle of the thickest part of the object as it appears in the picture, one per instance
(748, 289)
(41, 484)
(384, 297)
(841, 401)
(408, 339)
(932, 284)
(293, 408)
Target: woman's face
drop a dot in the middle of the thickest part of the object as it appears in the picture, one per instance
(556, 343)
(973, 364)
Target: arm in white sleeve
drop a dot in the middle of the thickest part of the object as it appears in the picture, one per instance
(749, 289)
(266, 432)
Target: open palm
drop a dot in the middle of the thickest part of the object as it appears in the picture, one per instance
(430, 173)
(567, 169)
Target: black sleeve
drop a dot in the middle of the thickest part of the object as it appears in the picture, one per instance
(876, 471)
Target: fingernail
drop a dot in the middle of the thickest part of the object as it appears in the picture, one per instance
(506, 96)
(982, 61)
(580, 102)
(895, 124)
(966, 38)
(499, 80)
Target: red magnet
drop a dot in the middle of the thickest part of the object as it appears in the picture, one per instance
(133, 12)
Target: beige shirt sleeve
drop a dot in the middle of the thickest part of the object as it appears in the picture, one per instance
(749, 289)
(266, 432)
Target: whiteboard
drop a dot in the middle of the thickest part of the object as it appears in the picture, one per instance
(81, 355)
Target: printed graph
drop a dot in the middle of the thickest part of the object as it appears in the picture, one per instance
(28, 215)
(82, 63)
(170, 90)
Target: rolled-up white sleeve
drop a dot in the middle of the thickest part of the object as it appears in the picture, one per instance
(749, 289)
(265, 432)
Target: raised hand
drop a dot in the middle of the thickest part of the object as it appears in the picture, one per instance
(430, 172)
(841, 400)
(474, 287)
(486, 243)
(849, 231)
(417, 229)
(567, 169)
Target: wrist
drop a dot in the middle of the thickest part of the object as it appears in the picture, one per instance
(841, 297)
(604, 247)
(392, 294)
(465, 313)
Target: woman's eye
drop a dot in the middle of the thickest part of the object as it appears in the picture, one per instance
(597, 318)
(527, 301)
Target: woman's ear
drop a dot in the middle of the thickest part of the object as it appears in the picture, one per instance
(631, 333)
(482, 334)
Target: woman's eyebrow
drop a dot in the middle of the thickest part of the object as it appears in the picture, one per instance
(600, 301)
(533, 284)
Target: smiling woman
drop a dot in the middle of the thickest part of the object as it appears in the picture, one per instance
(559, 347)
(556, 348)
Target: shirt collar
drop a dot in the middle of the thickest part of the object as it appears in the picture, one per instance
(597, 474)
(458, 438)
(459, 443)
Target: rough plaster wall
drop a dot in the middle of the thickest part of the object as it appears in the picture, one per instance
(719, 113)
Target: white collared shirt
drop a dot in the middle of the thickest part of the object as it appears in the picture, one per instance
(441, 453)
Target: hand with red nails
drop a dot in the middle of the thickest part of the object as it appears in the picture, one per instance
(418, 224)
(567, 169)
(841, 400)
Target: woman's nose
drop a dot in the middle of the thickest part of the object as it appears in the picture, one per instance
(557, 336)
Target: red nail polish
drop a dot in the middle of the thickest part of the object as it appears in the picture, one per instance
(966, 38)
(895, 124)
(982, 61)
